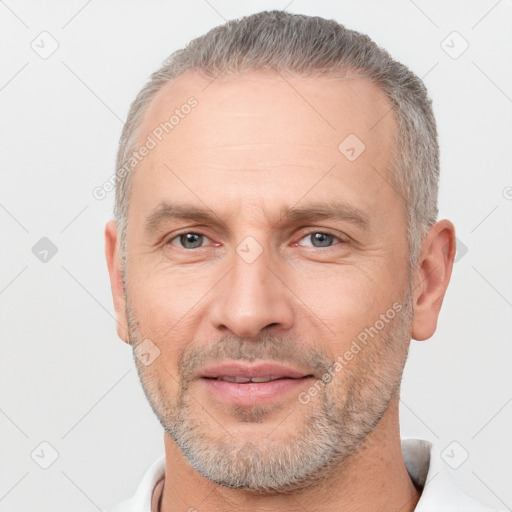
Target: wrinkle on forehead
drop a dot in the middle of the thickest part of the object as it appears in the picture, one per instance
(281, 110)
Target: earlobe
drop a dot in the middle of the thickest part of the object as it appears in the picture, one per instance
(433, 272)
(116, 278)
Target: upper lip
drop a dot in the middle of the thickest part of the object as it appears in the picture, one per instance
(238, 369)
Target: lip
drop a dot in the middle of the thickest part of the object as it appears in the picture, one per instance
(239, 369)
(289, 380)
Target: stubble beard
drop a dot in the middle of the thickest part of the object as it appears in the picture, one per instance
(335, 424)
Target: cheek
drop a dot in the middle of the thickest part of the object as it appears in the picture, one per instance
(160, 384)
(164, 299)
(158, 352)
(346, 299)
(162, 333)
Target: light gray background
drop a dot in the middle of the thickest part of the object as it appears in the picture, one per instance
(68, 380)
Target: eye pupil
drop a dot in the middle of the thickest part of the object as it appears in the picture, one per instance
(323, 239)
(191, 240)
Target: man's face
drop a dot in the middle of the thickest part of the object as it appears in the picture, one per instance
(253, 283)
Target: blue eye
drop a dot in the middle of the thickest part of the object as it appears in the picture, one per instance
(192, 240)
(320, 239)
(189, 240)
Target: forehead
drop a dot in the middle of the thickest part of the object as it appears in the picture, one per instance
(258, 127)
(325, 107)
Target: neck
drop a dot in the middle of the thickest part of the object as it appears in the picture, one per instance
(372, 479)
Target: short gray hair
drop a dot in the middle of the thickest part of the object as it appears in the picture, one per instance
(308, 46)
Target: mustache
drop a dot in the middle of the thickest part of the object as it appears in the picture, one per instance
(268, 348)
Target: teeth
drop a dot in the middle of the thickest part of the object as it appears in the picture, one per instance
(235, 379)
(247, 379)
(263, 379)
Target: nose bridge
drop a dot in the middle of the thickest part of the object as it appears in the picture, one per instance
(250, 275)
(252, 297)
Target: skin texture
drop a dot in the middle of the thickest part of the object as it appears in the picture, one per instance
(255, 144)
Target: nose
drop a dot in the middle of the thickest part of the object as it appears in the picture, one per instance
(250, 298)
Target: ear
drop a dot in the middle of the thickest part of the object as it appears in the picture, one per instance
(116, 278)
(431, 278)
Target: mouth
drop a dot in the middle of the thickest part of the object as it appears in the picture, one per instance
(241, 372)
(246, 385)
(245, 380)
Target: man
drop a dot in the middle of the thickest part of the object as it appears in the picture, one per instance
(275, 249)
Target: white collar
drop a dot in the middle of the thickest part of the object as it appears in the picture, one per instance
(430, 472)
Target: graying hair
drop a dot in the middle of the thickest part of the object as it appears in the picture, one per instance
(308, 46)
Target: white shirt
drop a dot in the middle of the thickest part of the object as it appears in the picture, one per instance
(424, 464)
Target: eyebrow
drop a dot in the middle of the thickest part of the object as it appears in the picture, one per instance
(167, 211)
(321, 211)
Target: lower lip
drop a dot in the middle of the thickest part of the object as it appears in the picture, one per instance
(254, 393)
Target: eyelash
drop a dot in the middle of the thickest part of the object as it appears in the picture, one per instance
(335, 237)
(303, 235)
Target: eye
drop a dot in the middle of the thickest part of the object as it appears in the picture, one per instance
(320, 239)
(188, 240)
